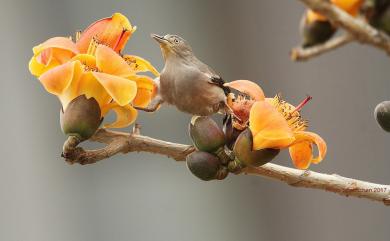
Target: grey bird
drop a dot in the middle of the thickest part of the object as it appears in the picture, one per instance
(186, 82)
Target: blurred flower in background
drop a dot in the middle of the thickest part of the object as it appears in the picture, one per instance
(316, 28)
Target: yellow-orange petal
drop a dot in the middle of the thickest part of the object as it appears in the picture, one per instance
(350, 6)
(313, 138)
(139, 64)
(86, 85)
(37, 69)
(269, 127)
(108, 61)
(312, 16)
(87, 60)
(143, 98)
(125, 116)
(301, 154)
(247, 87)
(57, 42)
(61, 55)
(58, 79)
(146, 90)
(143, 81)
(113, 32)
(122, 90)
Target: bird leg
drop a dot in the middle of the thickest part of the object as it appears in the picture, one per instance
(153, 106)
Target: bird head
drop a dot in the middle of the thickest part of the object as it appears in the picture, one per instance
(173, 45)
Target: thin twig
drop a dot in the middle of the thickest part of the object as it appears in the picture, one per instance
(119, 142)
(303, 54)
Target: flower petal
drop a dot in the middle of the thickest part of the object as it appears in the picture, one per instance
(143, 81)
(143, 98)
(57, 42)
(122, 90)
(139, 64)
(113, 32)
(269, 128)
(313, 138)
(86, 59)
(125, 116)
(247, 87)
(301, 154)
(312, 16)
(146, 90)
(37, 69)
(86, 85)
(351, 6)
(58, 79)
(108, 61)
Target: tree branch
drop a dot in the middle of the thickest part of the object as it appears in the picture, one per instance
(359, 30)
(119, 142)
(303, 54)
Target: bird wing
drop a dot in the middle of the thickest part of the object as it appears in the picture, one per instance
(213, 77)
(218, 81)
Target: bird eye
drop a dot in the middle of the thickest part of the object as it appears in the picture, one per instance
(176, 41)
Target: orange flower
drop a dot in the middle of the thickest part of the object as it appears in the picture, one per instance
(93, 66)
(352, 7)
(242, 104)
(277, 124)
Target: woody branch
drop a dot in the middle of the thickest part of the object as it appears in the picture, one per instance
(120, 142)
(357, 30)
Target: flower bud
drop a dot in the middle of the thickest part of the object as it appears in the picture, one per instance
(81, 118)
(382, 115)
(243, 149)
(204, 165)
(206, 134)
(231, 133)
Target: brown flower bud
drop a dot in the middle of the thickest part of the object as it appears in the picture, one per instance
(206, 134)
(243, 149)
(204, 165)
(231, 133)
(81, 118)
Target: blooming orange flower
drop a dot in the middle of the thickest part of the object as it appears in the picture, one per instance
(277, 124)
(93, 66)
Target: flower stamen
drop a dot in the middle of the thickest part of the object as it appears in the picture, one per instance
(93, 46)
(291, 115)
(303, 103)
(78, 35)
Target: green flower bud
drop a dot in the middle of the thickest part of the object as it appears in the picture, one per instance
(243, 149)
(206, 134)
(81, 118)
(204, 165)
(382, 115)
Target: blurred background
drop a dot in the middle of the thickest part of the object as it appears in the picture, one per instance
(150, 197)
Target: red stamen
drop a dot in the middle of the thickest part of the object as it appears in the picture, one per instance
(121, 41)
(303, 103)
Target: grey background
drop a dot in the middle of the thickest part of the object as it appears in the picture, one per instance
(148, 197)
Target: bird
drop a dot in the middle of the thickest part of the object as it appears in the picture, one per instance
(186, 82)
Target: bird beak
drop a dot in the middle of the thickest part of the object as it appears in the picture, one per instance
(159, 39)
